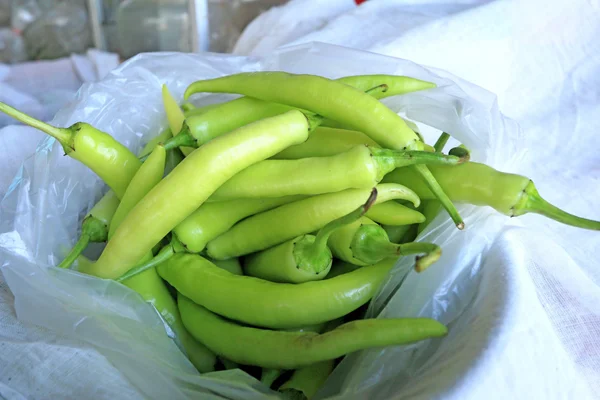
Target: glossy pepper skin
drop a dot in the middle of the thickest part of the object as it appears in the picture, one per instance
(361, 167)
(265, 230)
(302, 259)
(192, 182)
(331, 99)
(153, 290)
(272, 305)
(324, 142)
(290, 350)
(471, 182)
(215, 218)
(97, 150)
(479, 184)
(334, 100)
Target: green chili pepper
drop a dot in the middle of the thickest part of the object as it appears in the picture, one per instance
(441, 142)
(324, 142)
(340, 267)
(268, 304)
(364, 242)
(153, 290)
(431, 209)
(393, 213)
(326, 97)
(481, 185)
(264, 230)
(188, 107)
(396, 84)
(191, 183)
(94, 227)
(175, 115)
(396, 232)
(149, 285)
(99, 151)
(291, 350)
(148, 176)
(334, 100)
(232, 265)
(270, 375)
(304, 258)
(213, 219)
(361, 167)
(203, 127)
(306, 381)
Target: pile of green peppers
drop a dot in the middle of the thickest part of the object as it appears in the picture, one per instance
(276, 216)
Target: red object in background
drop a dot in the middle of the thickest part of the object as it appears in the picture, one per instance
(359, 2)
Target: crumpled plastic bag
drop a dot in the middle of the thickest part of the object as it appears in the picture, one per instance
(42, 210)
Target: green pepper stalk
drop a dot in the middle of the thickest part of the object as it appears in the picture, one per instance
(478, 184)
(97, 150)
(361, 167)
(441, 142)
(184, 189)
(365, 243)
(304, 258)
(94, 227)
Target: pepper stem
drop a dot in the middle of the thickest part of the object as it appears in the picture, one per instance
(325, 232)
(76, 251)
(163, 255)
(532, 202)
(441, 142)
(313, 254)
(439, 193)
(377, 248)
(63, 135)
(183, 139)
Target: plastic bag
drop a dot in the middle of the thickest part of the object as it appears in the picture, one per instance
(41, 213)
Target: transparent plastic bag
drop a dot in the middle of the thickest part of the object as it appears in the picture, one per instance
(41, 213)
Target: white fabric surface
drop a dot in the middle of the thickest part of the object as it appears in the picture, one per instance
(541, 59)
(537, 325)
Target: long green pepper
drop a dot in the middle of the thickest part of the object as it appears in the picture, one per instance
(264, 230)
(334, 100)
(481, 185)
(361, 167)
(191, 183)
(304, 258)
(290, 350)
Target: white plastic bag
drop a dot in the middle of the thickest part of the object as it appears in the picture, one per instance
(41, 212)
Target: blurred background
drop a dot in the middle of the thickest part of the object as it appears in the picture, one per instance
(49, 48)
(50, 29)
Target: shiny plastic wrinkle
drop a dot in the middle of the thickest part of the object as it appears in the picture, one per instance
(41, 213)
